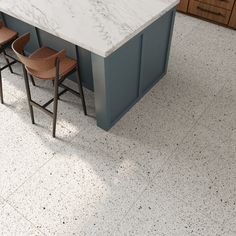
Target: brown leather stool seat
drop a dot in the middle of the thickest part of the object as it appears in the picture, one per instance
(66, 64)
(6, 35)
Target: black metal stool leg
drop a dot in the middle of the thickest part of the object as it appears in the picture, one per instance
(1, 92)
(7, 61)
(32, 80)
(55, 105)
(81, 90)
(28, 94)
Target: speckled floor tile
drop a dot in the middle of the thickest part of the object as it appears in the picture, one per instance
(159, 213)
(137, 130)
(185, 96)
(78, 190)
(202, 173)
(13, 90)
(197, 71)
(24, 148)
(229, 233)
(148, 160)
(213, 44)
(137, 140)
(221, 115)
(231, 224)
(153, 125)
(14, 83)
(12, 223)
(183, 26)
(10, 101)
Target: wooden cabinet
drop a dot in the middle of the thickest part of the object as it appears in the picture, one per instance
(225, 4)
(209, 12)
(232, 22)
(219, 11)
(183, 6)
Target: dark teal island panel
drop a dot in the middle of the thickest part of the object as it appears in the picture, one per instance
(122, 78)
(155, 51)
(116, 82)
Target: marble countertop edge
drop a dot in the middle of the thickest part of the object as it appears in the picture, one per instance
(100, 52)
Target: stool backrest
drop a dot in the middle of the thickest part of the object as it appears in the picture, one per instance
(36, 64)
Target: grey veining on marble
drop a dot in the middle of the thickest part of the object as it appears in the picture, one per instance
(100, 26)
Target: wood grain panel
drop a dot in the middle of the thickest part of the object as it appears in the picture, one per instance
(209, 12)
(226, 4)
(232, 22)
(183, 6)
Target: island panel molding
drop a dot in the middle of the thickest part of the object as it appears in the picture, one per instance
(100, 27)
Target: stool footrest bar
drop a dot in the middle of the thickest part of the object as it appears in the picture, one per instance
(51, 100)
(6, 66)
(70, 90)
(35, 104)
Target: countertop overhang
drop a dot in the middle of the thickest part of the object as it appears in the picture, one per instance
(100, 26)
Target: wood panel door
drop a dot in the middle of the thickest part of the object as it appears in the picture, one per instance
(209, 12)
(226, 4)
(183, 6)
(232, 22)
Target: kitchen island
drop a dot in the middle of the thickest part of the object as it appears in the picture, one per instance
(122, 46)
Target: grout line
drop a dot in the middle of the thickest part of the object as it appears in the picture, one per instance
(119, 224)
(195, 123)
(193, 29)
(27, 179)
(33, 225)
(150, 181)
(38, 169)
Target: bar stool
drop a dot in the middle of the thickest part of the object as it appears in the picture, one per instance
(47, 64)
(7, 36)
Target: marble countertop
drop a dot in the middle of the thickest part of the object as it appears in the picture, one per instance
(100, 26)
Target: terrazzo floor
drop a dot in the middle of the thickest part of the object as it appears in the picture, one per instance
(167, 168)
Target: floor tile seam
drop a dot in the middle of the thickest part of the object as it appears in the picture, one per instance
(117, 156)
(197, 210)
(181, 199)
(188, 116)
(194, 210)
(193, 29)
(3, 200)
(12, 94)
(211, 101)
(228, 228)
(223, 139)
(209, 105)
(173, 153)
(193, 127)
(4, 109)
(24, 217)
(177, 112)
(28, 178)
(120, 222)
(149, 182)
(53, 157)
(153, 179)
(232, 231)
(122, 217)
